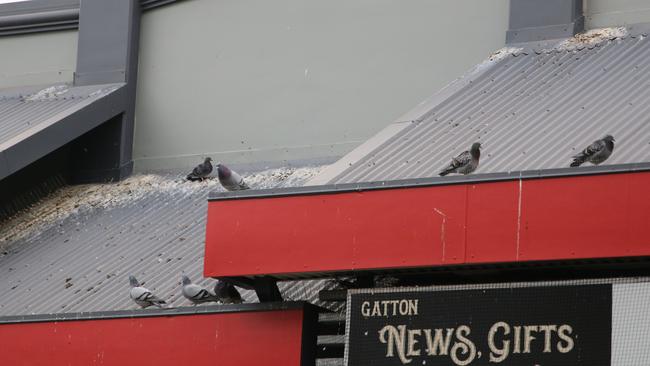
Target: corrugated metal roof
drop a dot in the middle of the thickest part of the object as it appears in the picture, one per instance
(35, 121)
(531, 110)
(74, 251)
(23, 109)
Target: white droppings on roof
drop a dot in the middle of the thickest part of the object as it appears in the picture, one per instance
(71, 200)
(592, 37)
(497, 56)
(502, 53)
(104, 91)
(48, 93)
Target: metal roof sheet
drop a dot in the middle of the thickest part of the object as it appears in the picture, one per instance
(28, 111)
(532, 110)
(73, 251)
(22, 109)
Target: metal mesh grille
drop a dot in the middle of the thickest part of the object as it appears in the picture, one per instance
(581, 322)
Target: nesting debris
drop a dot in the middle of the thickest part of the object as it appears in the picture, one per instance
(52, 92)
(495, 57)
(72, 200)
(503, 53)
(591, 38)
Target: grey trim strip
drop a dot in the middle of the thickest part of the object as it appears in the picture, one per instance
(150, 4)
(578, 263)
(39, 22)
(49, 15)
(148, 313)
(429, 182)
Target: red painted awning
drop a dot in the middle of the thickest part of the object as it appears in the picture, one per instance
(396, 225)
(248, 334)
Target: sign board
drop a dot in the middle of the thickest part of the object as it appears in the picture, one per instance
(558, 323)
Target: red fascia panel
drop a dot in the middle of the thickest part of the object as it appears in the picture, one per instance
(509, 221)
(242, 338)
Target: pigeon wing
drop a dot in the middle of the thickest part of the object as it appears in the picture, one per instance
(142, 296)
(593, 149)
(462, 159)
(155, 300)
(196, 293)
(590, 151)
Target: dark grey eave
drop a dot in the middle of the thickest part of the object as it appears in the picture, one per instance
(431, 181)
(49, 15)
(149, 313)
(50, 130)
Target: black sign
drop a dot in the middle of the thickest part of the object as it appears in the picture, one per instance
(545, 326)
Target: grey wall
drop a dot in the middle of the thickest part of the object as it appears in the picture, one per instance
(261, 80)
(607, 13)
(256, 80)
(36, 59)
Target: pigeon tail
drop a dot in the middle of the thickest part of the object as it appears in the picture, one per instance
(161, 304)
(446, 171)
(576, 162)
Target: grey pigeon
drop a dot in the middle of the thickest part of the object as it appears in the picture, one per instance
(227, 293)
(195, 293)
(143, 296)
(595, 153)
(229, 179)
(466, 162)
(201, 171)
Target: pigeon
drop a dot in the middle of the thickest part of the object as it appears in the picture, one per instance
(227, 293)
(195, 293)
(229, 179)
(595, 153)
(201, 171)
(143, 296)
(466, 162)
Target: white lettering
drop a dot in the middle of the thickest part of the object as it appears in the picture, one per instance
(498, 354)
(375, 309)
(439, 345)
(412, 342)
(365, 308)
(517, 345)
(395, 340)
(464, 347)
(413, 307)
(528, 337)
(564, 333)
(548, 331)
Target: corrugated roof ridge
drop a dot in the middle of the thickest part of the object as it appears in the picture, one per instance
(534, 109)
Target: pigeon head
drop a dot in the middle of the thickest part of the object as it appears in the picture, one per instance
(208, 159)
(609, 138)
(186, 280)
(476, 149)
(133, 281)
(223, 171)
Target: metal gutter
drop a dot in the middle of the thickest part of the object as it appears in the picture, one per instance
(49, 15)
(432, 181)
(148, 313)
